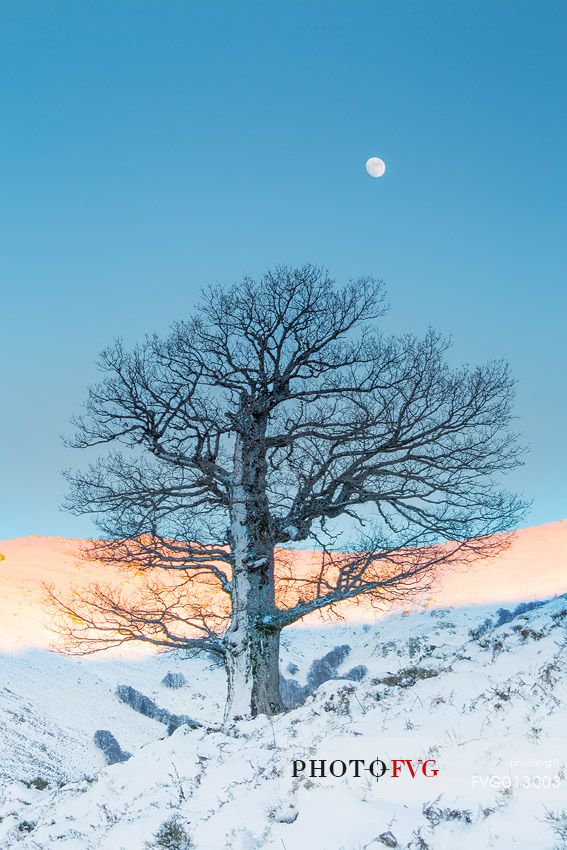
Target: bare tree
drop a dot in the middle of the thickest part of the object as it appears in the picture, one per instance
(279, 415)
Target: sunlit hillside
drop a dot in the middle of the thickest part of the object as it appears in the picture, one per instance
(534, 567)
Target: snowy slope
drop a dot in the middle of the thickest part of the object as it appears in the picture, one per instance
(490, 707)
(494, 699)
(51, 706)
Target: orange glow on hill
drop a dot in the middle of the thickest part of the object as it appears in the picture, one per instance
(534, 567)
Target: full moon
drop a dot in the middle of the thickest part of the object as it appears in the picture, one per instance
(375, 166)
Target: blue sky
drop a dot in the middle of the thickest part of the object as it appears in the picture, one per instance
(148, 148)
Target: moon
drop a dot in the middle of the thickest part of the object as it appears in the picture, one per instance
(375, 166)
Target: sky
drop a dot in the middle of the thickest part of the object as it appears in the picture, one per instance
(150, 148)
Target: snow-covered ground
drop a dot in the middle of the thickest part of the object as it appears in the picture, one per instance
(490, 708)
(486, 701)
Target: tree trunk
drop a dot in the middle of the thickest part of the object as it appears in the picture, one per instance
(252, 644)
(252, 667)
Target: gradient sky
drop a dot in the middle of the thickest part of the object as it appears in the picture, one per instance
(148, 148)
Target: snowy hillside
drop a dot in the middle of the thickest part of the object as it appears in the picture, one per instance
(449, 679)
(486, 702)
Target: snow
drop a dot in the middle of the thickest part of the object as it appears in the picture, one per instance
(494, 701)
(490, 708)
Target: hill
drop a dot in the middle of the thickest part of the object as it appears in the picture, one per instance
(467, 680)
(534, 567)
